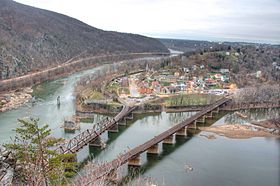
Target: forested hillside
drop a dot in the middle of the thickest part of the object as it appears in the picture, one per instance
(32, 39)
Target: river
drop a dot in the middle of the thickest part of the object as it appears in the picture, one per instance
(221, 161)
(46, 108)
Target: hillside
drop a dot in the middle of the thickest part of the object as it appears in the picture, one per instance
(32, 39)
(249, 65)
(187, 45)
(243, 59)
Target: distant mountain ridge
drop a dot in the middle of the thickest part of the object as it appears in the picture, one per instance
(32, 39)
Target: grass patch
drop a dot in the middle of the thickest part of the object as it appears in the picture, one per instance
(86, 120)
(166, 83)
(96, 95)
(190, 99)
(215, 87)
(113, 86)
(114, 104)
(124, 90)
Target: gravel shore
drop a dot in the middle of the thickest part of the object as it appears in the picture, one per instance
(15, 99)
(239, 131)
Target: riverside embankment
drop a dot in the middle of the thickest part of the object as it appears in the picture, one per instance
(66, 69)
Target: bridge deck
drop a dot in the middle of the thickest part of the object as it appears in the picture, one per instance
(85, 137)
(113, 165)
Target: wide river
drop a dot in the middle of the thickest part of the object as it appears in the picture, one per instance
(220, 161)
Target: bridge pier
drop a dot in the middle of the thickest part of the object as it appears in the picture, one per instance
(193, 125)
(169, 140)
(96, 142)
(132, 157)
(114, 128)
(201, 120)
(210, 115)
(135, 161)
(216, 110)
(182, 132)
(153, 149)
(122, 122)
(129, 116)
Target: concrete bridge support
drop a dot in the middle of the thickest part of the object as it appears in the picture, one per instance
(169, 140)
(135, 161)
(182, 132)
(209, 115)
(114, 128)
(153, 149)
(216, 110)
(202, 119)
(129, 116)
(193, 125)
(122, 122)
(96, 142)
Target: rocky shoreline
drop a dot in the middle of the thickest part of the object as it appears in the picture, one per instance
(15, 99)
(270, 124)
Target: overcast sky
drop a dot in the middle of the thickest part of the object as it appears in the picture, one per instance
(233, 20)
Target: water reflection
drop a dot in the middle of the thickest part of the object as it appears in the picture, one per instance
(251, 115)
(175, 118)
(221, 161)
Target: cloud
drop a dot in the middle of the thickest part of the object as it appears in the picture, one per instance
(256, 20)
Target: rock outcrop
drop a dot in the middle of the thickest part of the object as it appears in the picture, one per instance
(7, 163)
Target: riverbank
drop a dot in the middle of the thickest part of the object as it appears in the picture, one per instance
(272, 124)
(239, 131)
(15, 99)
(66, 69)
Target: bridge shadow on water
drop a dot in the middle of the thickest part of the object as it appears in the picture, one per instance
(165, 150)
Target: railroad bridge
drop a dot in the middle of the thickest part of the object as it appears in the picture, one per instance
(132, 157)
(92, 136)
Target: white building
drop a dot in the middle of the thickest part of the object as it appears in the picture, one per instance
(224, 70)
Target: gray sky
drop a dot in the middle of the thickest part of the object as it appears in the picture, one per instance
(217, 20)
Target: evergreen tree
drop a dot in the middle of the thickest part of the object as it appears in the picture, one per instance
(38, 163)
(126, 73)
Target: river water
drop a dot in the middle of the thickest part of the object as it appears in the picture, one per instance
(221, 161)
(46, 108)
